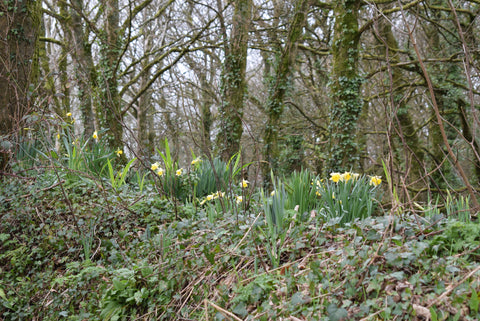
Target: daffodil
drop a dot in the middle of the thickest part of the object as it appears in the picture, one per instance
(154, 166)
(238, 199)
(95, 135)
(210, 197)
(195, 161)
(375, 180)
(119, 152)
(333, 195)
(179, 172)
(218, 194)
(335, 177)
(69, 115)
(160, 172)
(58, 136)
(355, 176)
(272, 193)
(345, 177)
(244, 183)
(318, 193)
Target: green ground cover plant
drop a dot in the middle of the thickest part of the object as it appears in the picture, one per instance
(116, 247)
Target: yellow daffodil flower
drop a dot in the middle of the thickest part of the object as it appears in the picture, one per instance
(375, 180)
(210, 197)
(335, 177)
(345, 177)
(272, 193)
(219, 194)
(238, 199)
(154, 166)
(160, 172)
(333, 195)
(179, 172)
(69, 115)
(244, 183)
(95, 135)
(58, 136)
(119, 152)
(195, 161)
(355, 176)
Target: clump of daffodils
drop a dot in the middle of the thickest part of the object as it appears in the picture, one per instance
(345, 177)
(157, 169)
(375, 180)
(154, 166)
(196, 161)
(238, 199)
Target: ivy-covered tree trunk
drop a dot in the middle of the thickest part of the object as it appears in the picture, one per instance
(206, 115)
(234, 82)
(279, 87)
(19, 27)
(345, 88)
(85, 72)
(109, 113)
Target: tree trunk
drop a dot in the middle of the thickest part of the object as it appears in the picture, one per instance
(234, 82)
(413, 149)
(145, 108)
(19, 27)
(278, 89)
(85, 72)
(345, 88)
(110, 111)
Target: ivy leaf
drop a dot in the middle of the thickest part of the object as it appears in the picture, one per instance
(2, 294)
(240, 309)
(335, 313)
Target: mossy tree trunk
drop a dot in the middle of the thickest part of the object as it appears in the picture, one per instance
(85, 71)
(145, 110)
(233, 80)
(19, 28)
(278, 89)
(414, 150)
(109, 114)
(345, 88)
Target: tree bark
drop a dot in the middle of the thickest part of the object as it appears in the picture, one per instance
(279, 87)
(234, 82)
(413, 149)
(109, 113)
(19, 27)
(345, 88)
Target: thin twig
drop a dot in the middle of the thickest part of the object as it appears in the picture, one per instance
(450, 288)
(223, 311)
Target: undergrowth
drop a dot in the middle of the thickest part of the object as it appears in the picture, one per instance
(120, 242)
